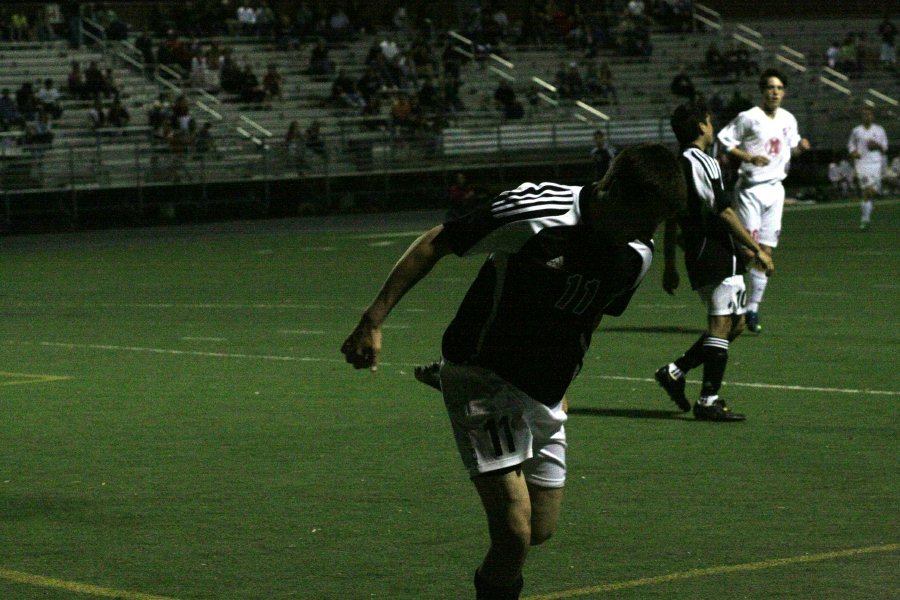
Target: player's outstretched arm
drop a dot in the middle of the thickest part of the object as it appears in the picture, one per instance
(761, 259)
(363, 345)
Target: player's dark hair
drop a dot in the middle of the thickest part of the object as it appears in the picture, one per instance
(649, 178)
(764, 78)
(686, 120)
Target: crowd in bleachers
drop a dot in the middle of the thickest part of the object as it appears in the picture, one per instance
(858, 52)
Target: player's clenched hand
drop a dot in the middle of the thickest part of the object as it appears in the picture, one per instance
(362, 346)
(765, 263)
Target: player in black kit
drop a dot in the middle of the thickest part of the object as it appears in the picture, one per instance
(712, 233)
(559, 258)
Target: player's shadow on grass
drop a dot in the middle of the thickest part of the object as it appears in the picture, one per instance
(628, 413)
(657, 329)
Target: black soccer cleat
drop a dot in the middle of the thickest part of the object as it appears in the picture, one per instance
(717, 411)
(430, 375)
(753, 322)
(673, 386)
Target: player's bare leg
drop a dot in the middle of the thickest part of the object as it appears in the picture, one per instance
(546, 504)
(507, 504)
(758, 282)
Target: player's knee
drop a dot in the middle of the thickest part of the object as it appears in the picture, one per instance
(540, 534)
(737, 327)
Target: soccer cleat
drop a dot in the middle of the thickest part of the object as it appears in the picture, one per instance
(753, 322)
(674, 387)
(717, 411)
(430, 374)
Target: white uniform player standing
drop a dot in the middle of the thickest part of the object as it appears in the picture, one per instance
(868, 146)
(764, 138)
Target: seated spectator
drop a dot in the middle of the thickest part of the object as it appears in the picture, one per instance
(840, 175)
(160, 112)
(462, 197)
(230, 75)
(94, 82)
(273, 82)
(344, 92)
(605, 84)
(26, 102)
(75, 82)
(832, 54)
(312, 139)
(96, 114)
(9, 114)
(506, 102)
(48, 99)
(715, 61)
(251, 90)
(39, 132)
(682, 86)
(181, 114)
(319, 61)
(204, 143)
(293, 141)
(202, 76)
(117, 115)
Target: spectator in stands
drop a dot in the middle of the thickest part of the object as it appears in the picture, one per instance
(160, 112)
(602, 154)
(833, 54)
(682, 87)
(428, 96)
(246, 17)
(888, 33)
(293, 141)
(402, 115)
(715, 61)
(181, 114)
(96, 114)
(118, 115)
(452, 102)
(605, 85)
(145, 45)
(202, 76)
(369, 84)
(840, 175)
(94, 82)
(312, 139)
(339, 27)
(265, 20)
(48, 99)
(110, 85)
(26, 102)
(18, 25)
(75, 82)
(847, 60)
(462, 197)
(39, 132)
(506, 102)
(204, 143)
(344, 92)
(9, 114)
(251, 90)
(230, 75)
(319, 61)
(273, 83)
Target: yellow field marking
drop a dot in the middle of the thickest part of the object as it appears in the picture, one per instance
(754, 566)
(74, 586)
(23, 378)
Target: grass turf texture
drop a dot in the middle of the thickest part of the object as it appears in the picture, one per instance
(209, 441)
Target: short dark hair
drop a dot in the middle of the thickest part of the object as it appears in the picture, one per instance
(649, 178)
(765, 75)
(686, 119)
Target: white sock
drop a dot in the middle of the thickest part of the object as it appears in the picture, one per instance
(758, 282)
(867, 207)
(707, 400)
(675, 372)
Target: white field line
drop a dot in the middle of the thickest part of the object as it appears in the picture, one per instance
(302, 359)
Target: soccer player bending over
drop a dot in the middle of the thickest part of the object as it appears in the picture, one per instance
(710, 230)
(559, 257)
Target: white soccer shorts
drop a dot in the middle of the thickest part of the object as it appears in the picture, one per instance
(726, 298)
(496, 426)
(869, 176)
(759, 208)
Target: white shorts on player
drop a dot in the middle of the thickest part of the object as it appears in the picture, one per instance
(497, 426)
(869, 176)
(759, 208)
(729, 297)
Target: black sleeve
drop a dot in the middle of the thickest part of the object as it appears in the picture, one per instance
(723, 201)
(463, 232)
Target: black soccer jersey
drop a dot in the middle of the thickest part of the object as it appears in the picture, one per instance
(548, 279)
(710, 253)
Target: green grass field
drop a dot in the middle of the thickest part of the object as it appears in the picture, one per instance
(177, 422)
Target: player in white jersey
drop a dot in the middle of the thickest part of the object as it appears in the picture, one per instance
(868, 146)
(560, 257)
(764, 138)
